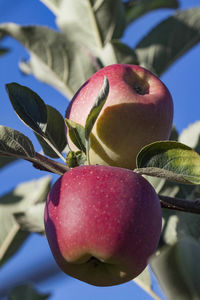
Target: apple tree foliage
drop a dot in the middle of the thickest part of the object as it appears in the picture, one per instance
(89, 38)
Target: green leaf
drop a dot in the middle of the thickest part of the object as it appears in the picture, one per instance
(136, 8)
(177, 269)
(29, 107)
(92, 23)
(171, 160)
(20, 200)
(97, 107)
(26, 292)
(54, 58)
(14, 143)
(77, 134)
(32, 219)
(4, 161)
(55, 130)
(75, 159)
(169, 40)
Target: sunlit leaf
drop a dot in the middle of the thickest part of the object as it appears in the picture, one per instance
(32, 219)
(171, 160)
(144, 281)
(178, 271)
(169, 40)
(54, 59)
(105, 20)
(77, 134)
(136, 8)
(97, 107)
(14, 143)
(20, 200)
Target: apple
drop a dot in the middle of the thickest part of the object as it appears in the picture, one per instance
(137, 112)
(102, 223)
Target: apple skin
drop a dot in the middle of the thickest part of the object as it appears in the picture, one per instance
(137, 112)
(102, 224)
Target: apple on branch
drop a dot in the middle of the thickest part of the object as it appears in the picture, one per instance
(102, 223)
(137, 112)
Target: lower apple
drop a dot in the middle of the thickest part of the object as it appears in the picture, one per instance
(102, 224)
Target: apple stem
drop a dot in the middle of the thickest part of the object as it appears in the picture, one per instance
(180, 204)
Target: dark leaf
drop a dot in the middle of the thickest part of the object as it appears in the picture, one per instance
(26, 292)
(136, 8)
(123, 53)
(3, 51)
(174, 134)
(55, 130)
(15, 243)
(4, 161)
(29, 107)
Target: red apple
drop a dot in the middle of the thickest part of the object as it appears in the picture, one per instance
(102, 224)
(138, 111)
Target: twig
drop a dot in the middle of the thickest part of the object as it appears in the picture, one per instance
(180, 204)
(43, 163)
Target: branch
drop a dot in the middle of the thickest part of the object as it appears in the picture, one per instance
(43, 163)
(180, 204)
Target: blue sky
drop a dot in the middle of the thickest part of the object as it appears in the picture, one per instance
(182, 79)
